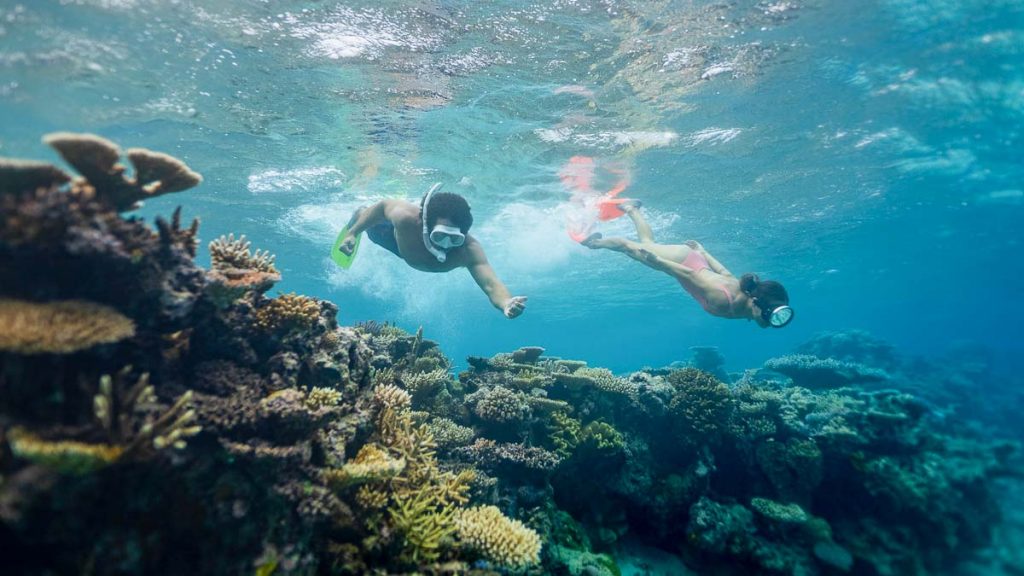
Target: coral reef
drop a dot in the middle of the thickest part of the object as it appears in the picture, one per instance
(157, 417)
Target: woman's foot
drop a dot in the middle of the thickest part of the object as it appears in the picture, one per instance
(593, 241)
(630, 204)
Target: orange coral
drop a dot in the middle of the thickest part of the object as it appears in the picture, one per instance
(60, 327)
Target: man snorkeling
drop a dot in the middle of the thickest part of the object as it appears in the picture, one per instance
(711, 284)
(432, 237)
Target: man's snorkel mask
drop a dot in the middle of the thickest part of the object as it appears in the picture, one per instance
(442, 238)
(777, 317)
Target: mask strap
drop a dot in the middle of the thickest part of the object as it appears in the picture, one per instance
(441, 255)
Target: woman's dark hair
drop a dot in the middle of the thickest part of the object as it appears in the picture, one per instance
(450, 206)
(768, 293)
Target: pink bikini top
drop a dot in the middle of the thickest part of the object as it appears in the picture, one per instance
(696, 261)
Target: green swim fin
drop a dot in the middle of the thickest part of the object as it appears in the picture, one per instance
(339, 257)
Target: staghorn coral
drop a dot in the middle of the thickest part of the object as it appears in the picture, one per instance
(60, 327)
(417, 502)
(96, 159)
(508, 543)
(228, 253)
(126, 415)
(287, 312)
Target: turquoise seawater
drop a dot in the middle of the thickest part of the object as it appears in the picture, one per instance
(867, 154)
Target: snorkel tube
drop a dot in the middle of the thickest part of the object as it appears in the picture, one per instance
(441, 255)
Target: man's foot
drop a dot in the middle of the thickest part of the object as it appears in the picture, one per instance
(592, 241)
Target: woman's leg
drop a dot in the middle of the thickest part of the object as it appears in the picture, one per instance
(643, 230)
(634, 250)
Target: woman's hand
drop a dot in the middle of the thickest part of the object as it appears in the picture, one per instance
(514, 306)
(694, 245)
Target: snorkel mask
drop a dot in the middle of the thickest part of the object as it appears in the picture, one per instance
(777, 317)
(447, 237)
(443, 234)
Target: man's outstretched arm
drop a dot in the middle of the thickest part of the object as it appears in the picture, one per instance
(364, 218)
(511, 306)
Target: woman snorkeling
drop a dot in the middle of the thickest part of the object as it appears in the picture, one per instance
(711, 284)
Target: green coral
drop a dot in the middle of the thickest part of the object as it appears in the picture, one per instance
(564, 432)
(701, 405)
(602, 438)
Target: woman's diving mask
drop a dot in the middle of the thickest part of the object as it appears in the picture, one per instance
(777, 317)
(447, 237)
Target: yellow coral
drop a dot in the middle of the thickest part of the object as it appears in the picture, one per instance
(372, 463)
(65, 456)
(287, 311)
(60, 327)
(322, 398)
(499, 539)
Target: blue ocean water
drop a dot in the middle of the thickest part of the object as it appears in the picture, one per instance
(866, 154)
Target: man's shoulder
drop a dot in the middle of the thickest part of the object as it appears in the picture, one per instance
(402, 212)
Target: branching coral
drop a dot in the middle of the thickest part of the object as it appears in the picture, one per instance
(421, 384)
(59, 327)
(417, 500)
(287, 312)
(318, 398)
(508, 543)
(229, 253)
(371, 464)
(448, 434)
(96, 159)
(600, 437)
(126, 416)
(564, 432)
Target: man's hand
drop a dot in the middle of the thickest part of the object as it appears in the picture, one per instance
(347, 245)
(514, 306)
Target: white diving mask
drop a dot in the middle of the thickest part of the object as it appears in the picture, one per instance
(447, 237)
(779, 317)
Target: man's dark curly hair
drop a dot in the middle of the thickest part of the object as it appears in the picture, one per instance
(450, 206)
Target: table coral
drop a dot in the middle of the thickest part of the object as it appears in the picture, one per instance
(96, 159)
(59, 327)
